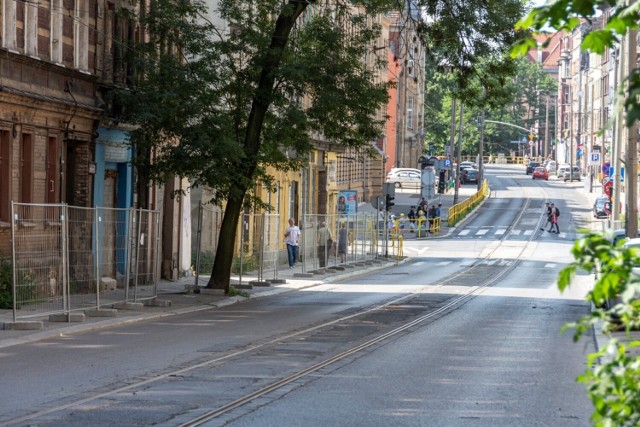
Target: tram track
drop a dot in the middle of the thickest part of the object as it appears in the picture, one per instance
(407, 311)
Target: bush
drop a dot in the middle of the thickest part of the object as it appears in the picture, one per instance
(206, 262)
(249, 263)
(6, 289)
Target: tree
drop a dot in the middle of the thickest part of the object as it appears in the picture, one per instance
(612, 376)
(223, 104)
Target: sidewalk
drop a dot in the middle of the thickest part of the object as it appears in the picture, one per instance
(178, 297)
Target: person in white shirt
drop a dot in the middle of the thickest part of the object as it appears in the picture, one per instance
(292, 239)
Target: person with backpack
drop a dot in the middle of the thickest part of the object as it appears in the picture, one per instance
(555, 214)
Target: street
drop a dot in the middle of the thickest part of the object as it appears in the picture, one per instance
(467, 332)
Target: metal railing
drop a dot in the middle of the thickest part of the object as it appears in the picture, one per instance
(458, 211)
(67, 258)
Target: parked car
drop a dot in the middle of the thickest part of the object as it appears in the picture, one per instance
(602, 207)
(407, 178)
(540, 173)
(531, 167)
(551, 167)
(561, 170)
(467, 165)
(567, 175)
(470, 175)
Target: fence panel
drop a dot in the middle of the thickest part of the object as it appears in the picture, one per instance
(207, 234)
(38, 249)
(82, 265)
(68, 258)
(147, 245)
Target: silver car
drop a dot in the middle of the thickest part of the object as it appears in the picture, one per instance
(407, 178)
(567, 174)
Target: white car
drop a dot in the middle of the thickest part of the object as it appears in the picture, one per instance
(405, 178)
(561, 170)
(551, 167)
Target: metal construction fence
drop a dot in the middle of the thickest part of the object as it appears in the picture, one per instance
(326, 241)
(331, 240)
(68, 258)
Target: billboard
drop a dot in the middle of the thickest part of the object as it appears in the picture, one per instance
(347, 202)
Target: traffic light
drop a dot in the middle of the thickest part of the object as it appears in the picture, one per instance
(388, 201)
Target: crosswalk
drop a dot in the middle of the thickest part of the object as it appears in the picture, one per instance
(501, 231)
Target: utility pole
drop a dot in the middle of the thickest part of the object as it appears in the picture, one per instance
(631, 166)
(458, 155)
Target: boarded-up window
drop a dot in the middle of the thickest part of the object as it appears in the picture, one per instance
(5, 174)
(52, 170)
(26, 168)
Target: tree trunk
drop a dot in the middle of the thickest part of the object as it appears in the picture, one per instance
(221, 273)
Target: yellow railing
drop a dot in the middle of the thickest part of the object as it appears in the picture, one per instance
(418, 226)
(399, 253)
(458, 211)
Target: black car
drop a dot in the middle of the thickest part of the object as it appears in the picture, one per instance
(531, 167)
(601, 207)
(470, 175)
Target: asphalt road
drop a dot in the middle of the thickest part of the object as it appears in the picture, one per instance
(481, 346)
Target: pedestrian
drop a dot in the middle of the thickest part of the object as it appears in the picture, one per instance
(438, 210)
(292, 239)
(555, 214)
(343, 241)
(431, 215)
(324, 242)
(549, 222)
(412, 215)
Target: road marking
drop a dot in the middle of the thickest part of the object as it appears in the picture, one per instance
(482, 232)
(550, 265)
(516, 232)
(464, 232)
(444, 263)
(528, 232)
(500, 232)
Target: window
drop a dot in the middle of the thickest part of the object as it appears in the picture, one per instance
(52, 171)
(410, 112)
(5, 174)
(26, 168)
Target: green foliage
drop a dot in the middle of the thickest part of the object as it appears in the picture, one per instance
(249, 262)
(568, 14)
(6, 292)
(521, 101)
(612, 376)
(206, 261)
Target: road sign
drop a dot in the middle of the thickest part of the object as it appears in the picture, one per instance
(607, 188)
(595, 158)
(447, 163)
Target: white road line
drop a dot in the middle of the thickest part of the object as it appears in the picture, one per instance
(464, 232)
(500, 232)
(482, 232)
(516, 232)
(444, 263)
(528, 232)
(550, 265)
